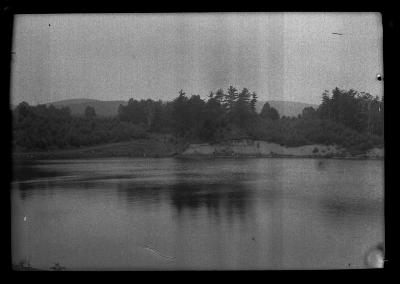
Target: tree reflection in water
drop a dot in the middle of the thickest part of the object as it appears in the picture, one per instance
(219, 199)
(230, 200)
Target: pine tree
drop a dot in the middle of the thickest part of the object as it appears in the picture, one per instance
(253, 102)
(241, 111)
(230, 98)
(220, 96)
(269, 112)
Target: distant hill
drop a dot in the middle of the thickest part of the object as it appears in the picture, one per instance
(110, 108)
(78, 106)
(286, 108)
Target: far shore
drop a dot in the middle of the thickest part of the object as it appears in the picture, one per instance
(135, 148)
(153, 148)
(338, 157)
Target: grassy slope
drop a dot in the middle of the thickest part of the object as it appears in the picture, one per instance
(154, 146)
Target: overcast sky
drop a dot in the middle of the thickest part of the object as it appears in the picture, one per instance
(291, 56)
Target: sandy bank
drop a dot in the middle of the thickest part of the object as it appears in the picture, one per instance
(263, 148)
(159, 147)
(375, 153)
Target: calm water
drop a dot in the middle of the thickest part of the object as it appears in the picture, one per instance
(197, 214)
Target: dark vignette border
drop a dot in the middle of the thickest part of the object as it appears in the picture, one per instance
(390, 47)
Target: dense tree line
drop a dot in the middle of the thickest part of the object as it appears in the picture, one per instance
(46, 127)
(345, 118)
(192, 117)
(359, 111)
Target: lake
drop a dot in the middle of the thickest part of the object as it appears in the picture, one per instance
(176, 213)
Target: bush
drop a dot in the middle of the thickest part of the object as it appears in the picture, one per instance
(298, 132)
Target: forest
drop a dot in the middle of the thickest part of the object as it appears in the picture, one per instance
(346, 118)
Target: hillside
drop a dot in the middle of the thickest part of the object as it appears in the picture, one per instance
(110, 108)
(103, 108)
(286, 108)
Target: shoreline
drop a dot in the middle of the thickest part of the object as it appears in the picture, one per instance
(355, 157)
(153, 147)
(258, 148)
(130, 150)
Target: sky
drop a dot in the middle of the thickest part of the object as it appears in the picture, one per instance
(280, 56)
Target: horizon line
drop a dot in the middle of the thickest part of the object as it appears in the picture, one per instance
(100, 100)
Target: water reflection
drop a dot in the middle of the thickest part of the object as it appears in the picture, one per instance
(218, 199)
(221, 214)
(29, 170)
(337, 209)
(132, 194)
